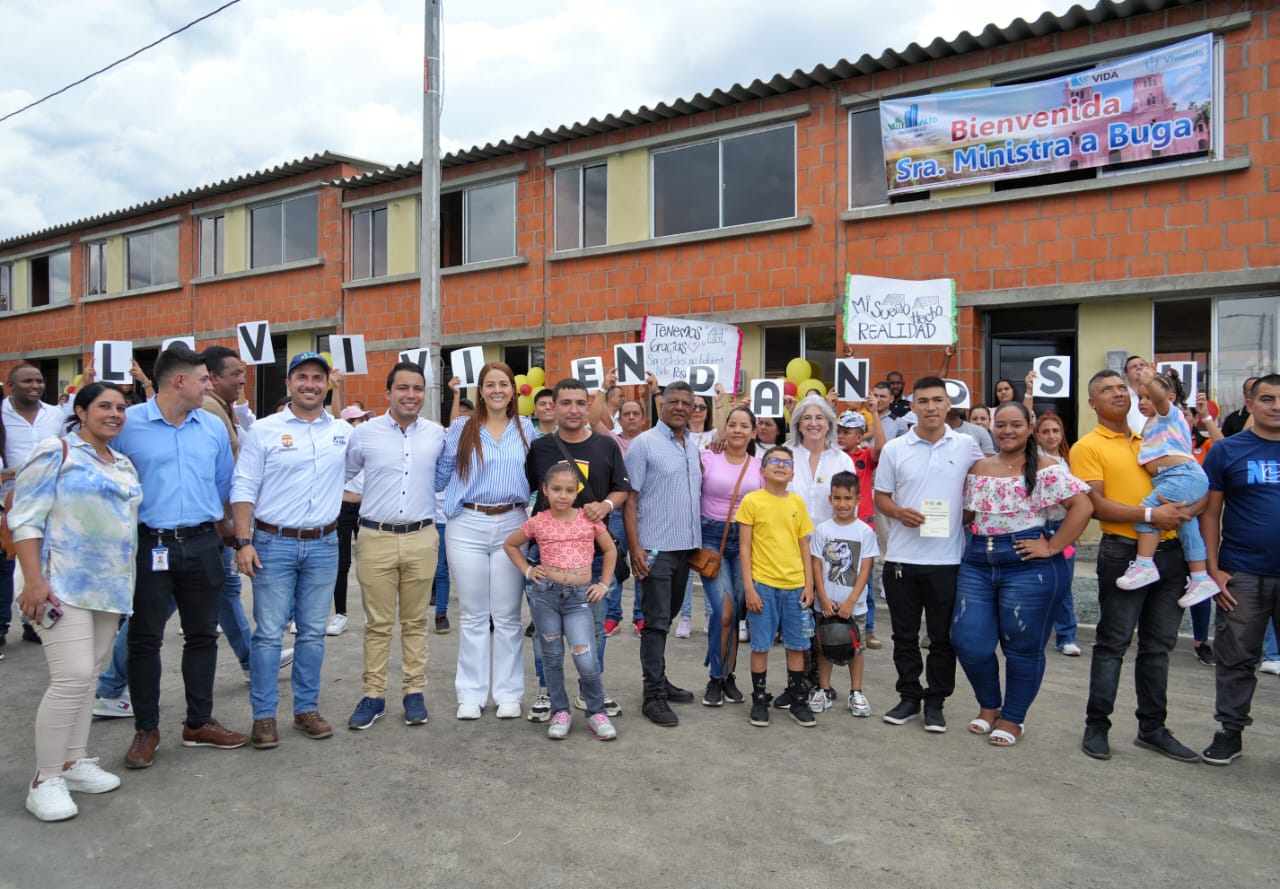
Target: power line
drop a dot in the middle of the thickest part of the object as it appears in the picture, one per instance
(138, 52)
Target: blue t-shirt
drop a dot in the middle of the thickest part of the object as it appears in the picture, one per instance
(1246, 469)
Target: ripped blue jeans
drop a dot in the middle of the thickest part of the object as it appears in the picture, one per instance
(1002, 599)
(561, 611)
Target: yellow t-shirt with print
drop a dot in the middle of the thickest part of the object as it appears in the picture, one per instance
(777, 525)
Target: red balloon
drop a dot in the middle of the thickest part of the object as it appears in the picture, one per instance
(526, 389)
(788, 388)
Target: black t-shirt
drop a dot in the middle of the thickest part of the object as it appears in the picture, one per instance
(1235, 422)
(899, 408)
(599, 458)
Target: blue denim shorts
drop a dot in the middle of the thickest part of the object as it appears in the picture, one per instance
(781, 608)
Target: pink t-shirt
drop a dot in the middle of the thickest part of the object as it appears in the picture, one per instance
(565, 546)
(718, 478)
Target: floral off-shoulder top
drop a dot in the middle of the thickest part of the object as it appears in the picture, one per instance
(1001, 505)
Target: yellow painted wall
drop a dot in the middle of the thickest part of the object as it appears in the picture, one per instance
(299, 341)
(22, 284)
(115, 264)
(402, 236)
(752, 353)
(627, 217)
(1127, 325)
(235, 227)
(68, 367)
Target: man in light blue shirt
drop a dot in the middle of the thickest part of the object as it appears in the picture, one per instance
(285, 498)
(662, 517)
(183, 457)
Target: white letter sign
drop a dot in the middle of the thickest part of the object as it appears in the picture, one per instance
(1053, 377)
(188, 341)
(588, 371)
(958, 392)
(1186, 371)
(766, 398)
(852, 378)
(255, 342)
(466, 363)
(629, 359)
(422, 358)
(112, 359)
(348, 353)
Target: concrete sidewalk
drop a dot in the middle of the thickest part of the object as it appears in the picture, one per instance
(714, 802)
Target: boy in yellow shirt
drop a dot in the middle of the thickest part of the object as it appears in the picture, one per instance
(773, 539)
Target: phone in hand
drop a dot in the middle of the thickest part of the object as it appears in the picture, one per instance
(51, 614)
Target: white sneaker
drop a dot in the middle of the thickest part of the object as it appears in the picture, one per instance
(1070, 649)
(51, 801)
(1197, 592)
(541, 709)
(469, 711)
(858, 705)
(743, 634)
(1137, 577)
(113, 708)
(509, 710)
(1272, 667)
(600, 726)
(286, 657)
(818, 701)
(560, 725)
(87, 777)
(337, 625)
(684, 627)
(579, 702)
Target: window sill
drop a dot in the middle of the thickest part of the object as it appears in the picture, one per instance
(509, 262)
(36, 310)
(1104, 183)
(383, 279)
(267, 270)
(715, 234)
(141, 291)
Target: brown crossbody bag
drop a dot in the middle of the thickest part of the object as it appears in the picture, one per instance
(707, 561)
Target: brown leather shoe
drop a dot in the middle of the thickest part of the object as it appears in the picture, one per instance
(265, 735)
(142, 752)
(212, 734)
(313, 724)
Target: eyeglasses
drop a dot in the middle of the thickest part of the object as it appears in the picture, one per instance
(778, 461)
(699, 408)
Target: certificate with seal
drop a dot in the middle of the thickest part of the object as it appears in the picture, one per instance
(937, 518)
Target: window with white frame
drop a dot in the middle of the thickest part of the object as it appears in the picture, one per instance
(732, 180)
(6, 287)
(95, 273)
(212, 245)
(581, 205)
(283, 231)
(368, 243)
(478, 224)
(51, 279)
(151, 258)
(814, 342)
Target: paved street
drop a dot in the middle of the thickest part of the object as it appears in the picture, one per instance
(712, 803)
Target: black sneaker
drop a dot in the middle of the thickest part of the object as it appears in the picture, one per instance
(783, 701)
(1224, 750)
(1204, 654)
(714, 695)
(759, 710)
(934, 721)
(1095, 744)
(803, 714)
(1163, 742)
(442, 624)
(731, 693)
(678, 695)
(659, 713)
(904, 712)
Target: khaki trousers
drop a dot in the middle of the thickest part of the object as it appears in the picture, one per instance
(395, 572)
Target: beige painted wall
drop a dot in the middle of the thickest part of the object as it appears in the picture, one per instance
(22, 284)
(235, 228)
(402, 236)
(627, 217)
(1104, 325)
(115, 264)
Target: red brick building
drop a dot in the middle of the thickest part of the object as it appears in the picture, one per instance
(749, 206)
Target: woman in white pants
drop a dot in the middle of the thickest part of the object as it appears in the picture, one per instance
(485, 490)
(75, 529)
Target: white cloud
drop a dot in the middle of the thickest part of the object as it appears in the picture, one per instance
(267, 81)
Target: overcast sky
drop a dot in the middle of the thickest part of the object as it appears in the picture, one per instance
(268, 81)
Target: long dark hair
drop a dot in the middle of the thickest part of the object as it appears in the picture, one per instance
(742, 408)
(1032, 450)
(469, 440)
(85, 397)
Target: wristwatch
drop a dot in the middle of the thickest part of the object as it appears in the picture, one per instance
(243, 542)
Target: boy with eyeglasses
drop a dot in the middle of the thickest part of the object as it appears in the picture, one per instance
(773, 536)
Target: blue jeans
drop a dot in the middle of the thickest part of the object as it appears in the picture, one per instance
(6, 593)
(296, 577)
(726, 598)
(1201, 612)
(561, 610)
(1064, 622)
(1185, 482)
(1270, 650)
(235, 626)
(442, 576)
(1000, 598)
(781, 610)
(613, 599)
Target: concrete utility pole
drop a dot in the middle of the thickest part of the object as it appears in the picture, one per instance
(429, 224)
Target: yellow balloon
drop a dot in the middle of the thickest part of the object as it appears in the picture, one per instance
(522, 380)
(536, 376)
(76, 380)
(798, 370)
(803, 389)
(526, 405)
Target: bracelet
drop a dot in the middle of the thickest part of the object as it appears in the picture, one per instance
(1146, 516)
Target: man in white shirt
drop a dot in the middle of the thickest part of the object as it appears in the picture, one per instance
(26, 422)
(1133, 367)
(397, 547)
(920, 489)
(285, 498)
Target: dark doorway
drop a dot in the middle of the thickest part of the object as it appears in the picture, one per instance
(269, 379)
(52, 385)
(1016, 337)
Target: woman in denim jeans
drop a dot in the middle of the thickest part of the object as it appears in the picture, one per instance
(1012, 578)
(563, 594)
(1051, 438)
(735, 467)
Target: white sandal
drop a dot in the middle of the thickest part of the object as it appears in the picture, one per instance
(980, 726)
(1001, 738)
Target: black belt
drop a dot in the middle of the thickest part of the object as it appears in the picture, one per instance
(1163, 546)
(395, 527)
(183, 533)
(298, 533)
(492, 510)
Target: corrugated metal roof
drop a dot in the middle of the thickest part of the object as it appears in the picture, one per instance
(225, 186)
(915, 54)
